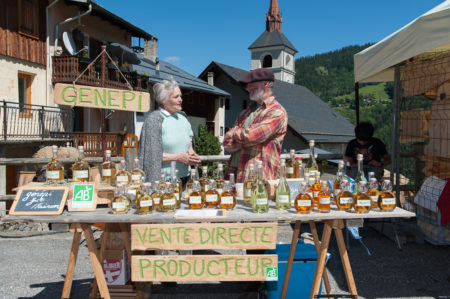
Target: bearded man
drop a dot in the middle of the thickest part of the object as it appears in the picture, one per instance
(259, 130)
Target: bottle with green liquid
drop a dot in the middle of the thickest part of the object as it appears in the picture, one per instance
(260, 198)
(283, 193)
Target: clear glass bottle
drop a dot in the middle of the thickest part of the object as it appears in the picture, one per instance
(120, 204)
(373, 192)
(309, 183)
(204, 180)
(54, 170)
(137, 174)
(220, 178)
(232, 183)
(177, 188)
(344, 199)
(211, 196)
(300, 168)
(144, 202)
(338, 180)
(156, 195)
(291, 166)
(248, 184)
(386, 201)
(189, 184)
(122, 176)
(227, 198)
(303, 201)
(108, 170)
(362, 202)
(311, 165)
(283, 192)
(316, 188)
(80, 169)
(168, 200)
(260, 198)
(195, 199)
(360, 175)
(324, 201)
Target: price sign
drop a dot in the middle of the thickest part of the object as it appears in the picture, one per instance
(83, 198)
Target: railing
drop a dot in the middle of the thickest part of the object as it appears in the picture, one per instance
(66, 69)
(92, 143)
(34, 122)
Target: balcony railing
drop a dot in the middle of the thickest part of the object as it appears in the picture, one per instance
(24, 122)
(67, 68)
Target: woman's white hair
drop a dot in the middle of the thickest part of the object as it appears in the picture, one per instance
(163, 90)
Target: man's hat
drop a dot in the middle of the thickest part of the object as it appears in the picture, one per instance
(256, 75)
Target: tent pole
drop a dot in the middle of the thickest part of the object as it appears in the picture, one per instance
(357, 102)
(395, 146)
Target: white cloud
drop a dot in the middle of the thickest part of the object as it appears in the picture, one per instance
(173, 59)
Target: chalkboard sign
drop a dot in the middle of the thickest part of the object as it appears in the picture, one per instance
(39, 201)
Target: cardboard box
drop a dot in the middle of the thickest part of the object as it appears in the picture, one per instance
(116, 267)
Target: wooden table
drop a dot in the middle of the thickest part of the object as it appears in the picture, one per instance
(333, 221)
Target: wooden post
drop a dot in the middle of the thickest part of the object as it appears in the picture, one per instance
(321, 258)
(344, 258)
(287, 274)
(395, 146)
(102, 111)
(357, 102)
(317, 244)
(72, 261)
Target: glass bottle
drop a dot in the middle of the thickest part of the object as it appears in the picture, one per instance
(338, 180)
(144, 202)
(204, 180)
(211, 196)
(227, 198)
(309, 183)
(300, 168)
(80, 169)
(120, 204)
(283, 192)
(137, 174)
(122, 176)
(168, 200)
(362, 202)
(324, 201)
(248, 184)
(189, 184)
(108, 170)
(260, 198)
(177, 188)
(386, 201)
(311, 165)
(233, 184)
(195, 199)
(303, 201)
(344, 199)
(373, 192)
(316, 188)
(54, 170)
(291, 166)
(360, 175)
(156, 195)
(220, 178)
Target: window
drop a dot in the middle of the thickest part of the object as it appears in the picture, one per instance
(267, 61)
(29, 18)
(227, 104)
(24, 95)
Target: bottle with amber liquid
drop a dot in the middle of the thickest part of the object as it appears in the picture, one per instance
(168, 200)
(137, 174)
(309, 183)
(156, 196)
(283, 192)
(120, 204)
(227, 199)
(311, 165)
(54, 170)
(80, 169)
(324, 202)
(144, 202)
(189, 184)
(122, 176)
(373, 192)
(316, 188)
(204, 180)
(195, 199)
(303, 201)
(386, 200)
(248, 185)
(220, 178)
(362, 202)
(338, 180)
(211, 196)
(291, 166)
(108, 170)
(177, 188)
(260, 198)
(344, 199)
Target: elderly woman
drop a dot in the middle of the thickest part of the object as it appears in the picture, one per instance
(166, 135)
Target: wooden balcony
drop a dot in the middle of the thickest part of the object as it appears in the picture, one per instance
(92, 143)
(67, 68)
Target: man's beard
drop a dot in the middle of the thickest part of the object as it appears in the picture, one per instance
(257, 94)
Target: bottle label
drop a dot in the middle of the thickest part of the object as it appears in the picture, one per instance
(248, 192)
(283, 198)
(195, 200)
(324, 200)
(388, 201)
(311, 194)
(118, 205)
(122, 178)
(156, 200)
(336, 192)
(226, 200)
(261, 201)
(146, 203)
(374, 198)
(106, 172)
(363, 203)
(345, 200)
(316, 193)
(290, 170)
(211, 197)
(136, 177)
(54, 175)
(303, 203)
(81, 174)
(168, 202)
(219, 190)
(206, 188)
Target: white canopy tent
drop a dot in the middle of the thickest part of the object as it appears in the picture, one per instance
(428, 33)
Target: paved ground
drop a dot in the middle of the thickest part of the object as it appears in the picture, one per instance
(34, 267)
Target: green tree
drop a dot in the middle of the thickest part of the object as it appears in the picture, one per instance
(207, 144)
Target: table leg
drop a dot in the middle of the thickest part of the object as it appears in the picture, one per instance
(344, 258)
(317, 243)
(72, 261)
(290, 259)
(101, 256)
(96, 265)
(322, 256)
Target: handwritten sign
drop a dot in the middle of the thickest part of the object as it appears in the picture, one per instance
(204, 268)
(193, 236)
(39, 201)
(104, 98)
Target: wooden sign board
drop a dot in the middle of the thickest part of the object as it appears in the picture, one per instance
(103, 98)
(193, 236)
(204, 267)
(39, 201)
(83, 198)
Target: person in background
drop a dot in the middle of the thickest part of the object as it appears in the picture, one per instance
(259, 130)
(375, 155)
(167, 135)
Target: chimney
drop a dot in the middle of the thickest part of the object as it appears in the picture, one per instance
(151, 49)
(211, 78)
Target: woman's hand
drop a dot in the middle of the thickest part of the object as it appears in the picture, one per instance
(189, 158)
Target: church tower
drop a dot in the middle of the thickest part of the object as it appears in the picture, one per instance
(272, 49)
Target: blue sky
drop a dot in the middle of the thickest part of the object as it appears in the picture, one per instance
(193, 33)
